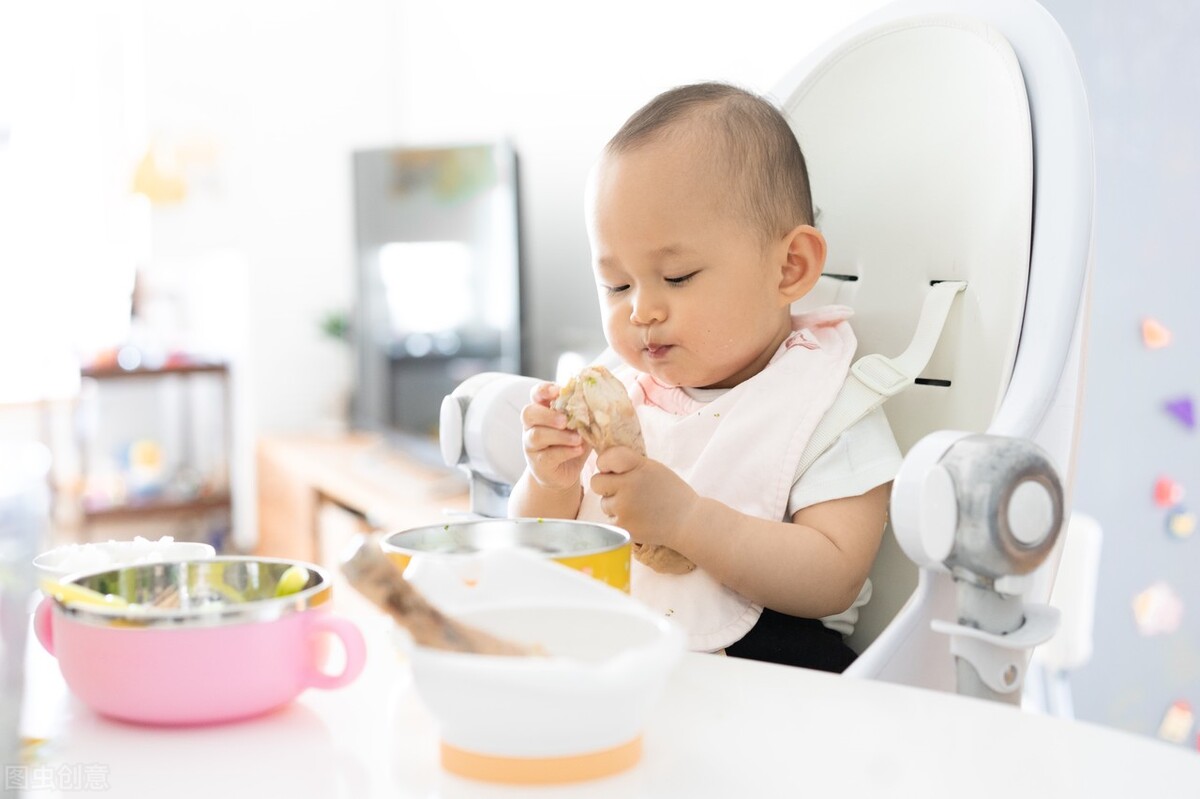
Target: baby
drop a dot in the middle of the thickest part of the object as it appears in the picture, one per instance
(701, 226)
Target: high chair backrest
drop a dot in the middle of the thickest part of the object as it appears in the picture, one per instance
(949, 140)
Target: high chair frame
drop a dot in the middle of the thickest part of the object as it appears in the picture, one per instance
(947, 140)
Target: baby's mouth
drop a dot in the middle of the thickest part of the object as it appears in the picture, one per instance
(658, 350)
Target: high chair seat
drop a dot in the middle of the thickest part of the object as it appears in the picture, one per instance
(946, 140)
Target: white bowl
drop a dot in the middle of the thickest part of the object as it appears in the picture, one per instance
(105, 555)
(574, 714)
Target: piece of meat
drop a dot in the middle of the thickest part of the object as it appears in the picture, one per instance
(598, 407)
(374, 575)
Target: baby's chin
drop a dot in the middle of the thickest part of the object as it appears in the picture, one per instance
(681, 378)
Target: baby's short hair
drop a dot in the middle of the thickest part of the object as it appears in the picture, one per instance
(751, 142)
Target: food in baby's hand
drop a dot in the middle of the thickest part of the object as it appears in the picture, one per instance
(598, 407)
(375, 576)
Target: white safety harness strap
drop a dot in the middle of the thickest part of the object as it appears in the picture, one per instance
(874, 378)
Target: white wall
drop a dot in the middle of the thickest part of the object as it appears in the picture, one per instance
(287, 90)
(560, 82)
(284, 91)
(290, 89)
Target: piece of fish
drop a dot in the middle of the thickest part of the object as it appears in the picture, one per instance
(598, 407)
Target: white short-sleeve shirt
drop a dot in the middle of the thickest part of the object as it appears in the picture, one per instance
(864, 456)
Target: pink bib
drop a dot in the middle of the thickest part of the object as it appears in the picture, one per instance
(741, 449)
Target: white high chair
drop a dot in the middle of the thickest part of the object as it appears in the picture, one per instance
(946, 140)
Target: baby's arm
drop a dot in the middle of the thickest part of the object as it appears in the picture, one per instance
(813, 566)
(554, 458)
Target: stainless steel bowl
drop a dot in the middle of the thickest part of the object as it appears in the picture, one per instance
(600, 550)
(553, 537)
(199, 593)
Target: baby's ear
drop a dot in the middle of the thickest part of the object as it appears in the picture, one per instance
(803, 260)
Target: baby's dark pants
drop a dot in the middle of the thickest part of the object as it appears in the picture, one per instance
(793, 641)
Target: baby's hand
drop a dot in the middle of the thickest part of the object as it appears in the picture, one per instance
(554, 454)
(642, 495)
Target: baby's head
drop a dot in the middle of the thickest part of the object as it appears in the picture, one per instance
(742, 140)
(700, 218)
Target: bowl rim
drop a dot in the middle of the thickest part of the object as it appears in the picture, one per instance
(387, 542)
(258, 610)
(668, 639)
(40, 563)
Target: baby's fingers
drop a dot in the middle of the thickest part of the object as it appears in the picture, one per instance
(544, 393)
(619, 460)
(541, 437)
(535, 415)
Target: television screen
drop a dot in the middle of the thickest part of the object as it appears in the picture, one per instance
(438, 281)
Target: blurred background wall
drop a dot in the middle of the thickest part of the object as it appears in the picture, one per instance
(1142, 72)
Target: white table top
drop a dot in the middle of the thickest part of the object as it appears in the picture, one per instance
(725, 728)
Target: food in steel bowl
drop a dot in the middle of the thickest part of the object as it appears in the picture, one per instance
(197, 642)
(598, 407)
(598, 550)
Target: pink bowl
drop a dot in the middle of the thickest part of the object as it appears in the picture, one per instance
(230, 650)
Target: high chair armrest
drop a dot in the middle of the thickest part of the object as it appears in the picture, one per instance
(480, 426)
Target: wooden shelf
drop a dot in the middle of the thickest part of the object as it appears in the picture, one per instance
(184, 368)
(166, 506)
(160, 507)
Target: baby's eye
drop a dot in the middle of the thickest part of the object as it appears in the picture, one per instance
(679, 281)
(615, 289)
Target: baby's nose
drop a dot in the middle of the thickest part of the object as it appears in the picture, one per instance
(647, 308)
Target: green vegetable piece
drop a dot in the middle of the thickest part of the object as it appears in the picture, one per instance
(292, 581)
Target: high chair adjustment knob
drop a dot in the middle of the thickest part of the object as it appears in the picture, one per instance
(984, 507)
(1010, 506)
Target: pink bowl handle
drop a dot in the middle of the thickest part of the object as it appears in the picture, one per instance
(352, 641)
(43, 626)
